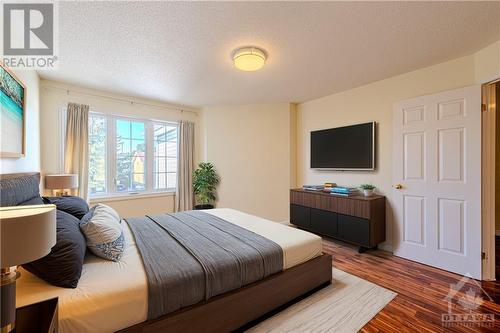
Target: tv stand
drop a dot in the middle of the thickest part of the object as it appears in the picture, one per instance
(358, 220)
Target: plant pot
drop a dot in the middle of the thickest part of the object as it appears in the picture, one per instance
(205, 206)
(368, 193)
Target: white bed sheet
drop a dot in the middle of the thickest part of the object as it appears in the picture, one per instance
(113, 295)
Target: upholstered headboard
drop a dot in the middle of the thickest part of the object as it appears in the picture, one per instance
(19, 188)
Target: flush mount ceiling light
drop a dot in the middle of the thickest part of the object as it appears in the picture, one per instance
(249, 59)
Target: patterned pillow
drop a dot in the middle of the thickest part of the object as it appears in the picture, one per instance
(103, 231)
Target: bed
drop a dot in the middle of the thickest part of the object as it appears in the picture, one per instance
(113, 296)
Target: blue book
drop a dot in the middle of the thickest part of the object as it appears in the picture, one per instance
(343, 190)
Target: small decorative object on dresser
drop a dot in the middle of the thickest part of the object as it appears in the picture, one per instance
(21, 225)
(38, 317)
(60, 184)
(367, 189)
(355, 219)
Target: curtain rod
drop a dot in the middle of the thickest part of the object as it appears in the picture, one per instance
(131, 102)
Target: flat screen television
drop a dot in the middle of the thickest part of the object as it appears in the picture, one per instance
(344, 148)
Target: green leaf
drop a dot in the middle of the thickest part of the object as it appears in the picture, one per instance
(205, 180)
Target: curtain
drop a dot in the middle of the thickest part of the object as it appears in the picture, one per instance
(184, 197)
(76, 147)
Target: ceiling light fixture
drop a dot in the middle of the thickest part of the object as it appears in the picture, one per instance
(249, 59)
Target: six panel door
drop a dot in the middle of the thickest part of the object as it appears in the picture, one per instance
(437, 178)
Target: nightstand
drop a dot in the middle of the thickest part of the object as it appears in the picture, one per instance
(39, 317)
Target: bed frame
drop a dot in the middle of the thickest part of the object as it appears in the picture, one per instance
(233, 310)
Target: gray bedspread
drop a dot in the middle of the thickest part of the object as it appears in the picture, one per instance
(192, 256)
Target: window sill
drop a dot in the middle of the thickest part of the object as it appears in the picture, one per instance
(122, 197)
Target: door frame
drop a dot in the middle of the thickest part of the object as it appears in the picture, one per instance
(488, 170)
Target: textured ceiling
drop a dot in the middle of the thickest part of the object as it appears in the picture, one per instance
(180, 52)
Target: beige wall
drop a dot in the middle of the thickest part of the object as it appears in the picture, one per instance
(374, 102)
(140, 206)
(31, 160)
(487, 63)
(252, 150)
(54, 97)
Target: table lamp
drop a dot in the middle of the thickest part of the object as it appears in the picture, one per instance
(27, 233)
(59, 184)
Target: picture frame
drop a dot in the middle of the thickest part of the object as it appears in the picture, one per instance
(12, 114)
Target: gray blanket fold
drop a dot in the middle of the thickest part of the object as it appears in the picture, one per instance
(193, 256)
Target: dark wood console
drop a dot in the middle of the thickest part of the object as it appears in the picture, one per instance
(357, 220)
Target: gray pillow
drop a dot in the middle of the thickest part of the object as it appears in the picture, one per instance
(13, 191)
(103, 231)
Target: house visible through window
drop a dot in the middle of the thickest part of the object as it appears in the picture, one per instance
(131, 156)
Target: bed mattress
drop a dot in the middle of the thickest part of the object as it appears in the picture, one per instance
(113, 295)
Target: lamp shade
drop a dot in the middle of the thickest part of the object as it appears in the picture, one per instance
(27, 233)
(62, 181)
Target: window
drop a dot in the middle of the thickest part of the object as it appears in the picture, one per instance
(97, 154)
(131, 156)
(165, 150)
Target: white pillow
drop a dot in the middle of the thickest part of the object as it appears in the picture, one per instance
(103, 231)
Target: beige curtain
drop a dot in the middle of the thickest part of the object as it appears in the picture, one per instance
(76, 147)
(184, 197)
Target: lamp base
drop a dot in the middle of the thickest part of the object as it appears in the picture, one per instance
(60, 193)
(8, 299)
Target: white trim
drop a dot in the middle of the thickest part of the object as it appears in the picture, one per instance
(129, 196)
(111, 190)
(385, 247)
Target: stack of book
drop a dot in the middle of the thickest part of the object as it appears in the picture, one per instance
(313, 187)
(344, 191)
(329, 186)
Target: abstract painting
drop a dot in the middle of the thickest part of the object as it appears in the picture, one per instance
(12, 114)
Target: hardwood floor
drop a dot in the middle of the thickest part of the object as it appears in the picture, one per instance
(421, 291)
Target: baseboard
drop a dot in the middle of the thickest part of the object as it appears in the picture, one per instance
(287, 222)
(385, 247)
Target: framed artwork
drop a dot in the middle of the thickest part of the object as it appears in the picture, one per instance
(12, 114)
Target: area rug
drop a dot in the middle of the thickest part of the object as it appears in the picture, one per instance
(344, 306)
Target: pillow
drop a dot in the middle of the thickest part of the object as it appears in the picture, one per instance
(62, 267)
(13, 191)
(73, 205)
(101, 226)
(33, 201)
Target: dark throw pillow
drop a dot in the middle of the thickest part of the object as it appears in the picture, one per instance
(33, 201)
(62, 267)
(73, 205)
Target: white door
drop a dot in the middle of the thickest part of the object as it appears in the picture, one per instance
(437, 180)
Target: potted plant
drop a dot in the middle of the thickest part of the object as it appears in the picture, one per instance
(205, 180)
(367, 189)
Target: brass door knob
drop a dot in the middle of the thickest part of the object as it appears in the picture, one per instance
(398, 186)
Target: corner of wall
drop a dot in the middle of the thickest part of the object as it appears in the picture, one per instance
(487, 63)
(293, 145)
